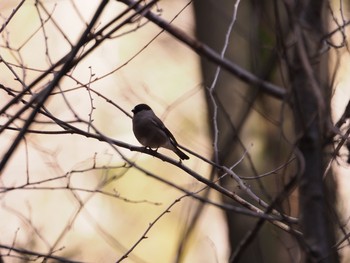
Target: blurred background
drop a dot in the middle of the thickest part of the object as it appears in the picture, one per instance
(75, 197)
(80, 223)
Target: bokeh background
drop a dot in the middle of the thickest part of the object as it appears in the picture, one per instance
(82, 224)
(75, 197)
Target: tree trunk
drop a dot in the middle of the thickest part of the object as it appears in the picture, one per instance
(311, 91)
(262, 24)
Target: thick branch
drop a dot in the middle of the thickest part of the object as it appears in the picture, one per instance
(210, 54)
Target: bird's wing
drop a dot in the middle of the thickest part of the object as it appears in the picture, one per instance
(161, 125)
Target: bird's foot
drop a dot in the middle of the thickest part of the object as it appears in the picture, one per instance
(150, 149)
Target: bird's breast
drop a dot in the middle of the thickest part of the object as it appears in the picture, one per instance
(149, 134)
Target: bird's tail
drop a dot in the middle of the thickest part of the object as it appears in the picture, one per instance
(181, 154)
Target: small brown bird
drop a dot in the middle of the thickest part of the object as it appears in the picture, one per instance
(151, 132)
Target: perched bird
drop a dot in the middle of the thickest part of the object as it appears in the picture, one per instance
(151, 132)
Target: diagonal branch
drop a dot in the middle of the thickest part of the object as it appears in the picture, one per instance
(41, 97)
(205, 51)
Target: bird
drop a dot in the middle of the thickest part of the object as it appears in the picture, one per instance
(151, 132)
